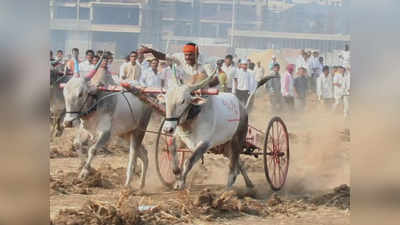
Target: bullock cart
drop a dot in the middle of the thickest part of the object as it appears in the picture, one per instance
(271, 146)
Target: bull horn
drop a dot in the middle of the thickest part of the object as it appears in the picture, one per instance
(91, 74)
(76, 67)
(211, 75)
(175, 77)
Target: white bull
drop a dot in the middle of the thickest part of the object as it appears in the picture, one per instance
(120, 114)
(222, 120)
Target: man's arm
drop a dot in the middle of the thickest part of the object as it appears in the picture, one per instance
(157, 54)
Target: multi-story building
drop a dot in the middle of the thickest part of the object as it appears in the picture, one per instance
(218, 25)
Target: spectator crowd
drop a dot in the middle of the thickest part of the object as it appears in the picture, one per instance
(288, 91)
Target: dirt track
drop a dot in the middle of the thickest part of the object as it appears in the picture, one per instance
(319, 162)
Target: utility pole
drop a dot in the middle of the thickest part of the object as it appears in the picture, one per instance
(78, 4)
(233, 21)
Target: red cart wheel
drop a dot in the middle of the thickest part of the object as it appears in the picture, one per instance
(164, 158)
(276, 153)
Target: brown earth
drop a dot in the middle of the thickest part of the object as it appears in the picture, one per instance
(319, 164)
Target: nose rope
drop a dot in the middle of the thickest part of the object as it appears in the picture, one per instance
(92, 107)
(177, 119)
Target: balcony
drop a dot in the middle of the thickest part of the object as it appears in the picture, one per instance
(86, 25)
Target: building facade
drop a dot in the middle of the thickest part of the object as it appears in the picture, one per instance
(123, 25)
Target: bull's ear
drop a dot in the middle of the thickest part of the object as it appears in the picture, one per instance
(198, 100)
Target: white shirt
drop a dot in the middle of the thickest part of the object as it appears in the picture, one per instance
(246, 81)
(345, 58)
(167, 74)
(188, 70)
(231, 73)
(301, 62)
(85, 67)
(314, 65)
(150, 79)
(287, 85)
(324, 86)
(144, 65)
(347, 83)
(338, 92)
(259, 71)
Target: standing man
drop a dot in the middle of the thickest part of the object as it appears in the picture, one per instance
(222, 77)
(231, 73)
(70, 68)
(274, 90)
(86, 66)
(345, 56)
(60, 57)
(245, 84)
(302, 60)
(131, 71)
(324, 87)
(338, 87)
(287, 87)
(259, 71)
(314, 70)
(346, 95)
(151, 77)
(273, 62)
(300, 84)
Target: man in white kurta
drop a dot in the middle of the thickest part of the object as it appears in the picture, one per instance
(338, 87)
(246, 83)
(231, 73)
(325, 86)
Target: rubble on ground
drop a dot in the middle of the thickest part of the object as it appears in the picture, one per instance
(68, 183)
(340, 198)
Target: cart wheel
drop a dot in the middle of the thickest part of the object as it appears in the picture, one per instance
(164, 158)
(276, 153)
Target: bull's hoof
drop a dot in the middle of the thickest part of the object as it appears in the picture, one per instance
(179, 185)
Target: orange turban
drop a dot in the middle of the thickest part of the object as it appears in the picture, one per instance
(189, 48)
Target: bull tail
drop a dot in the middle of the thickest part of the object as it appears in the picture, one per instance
(265, 80)
(259, 84)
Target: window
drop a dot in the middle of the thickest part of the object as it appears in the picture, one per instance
(208, 11)
(184, 11)
(183, 29)
(84, 13)
(65, 13)
(116, 15)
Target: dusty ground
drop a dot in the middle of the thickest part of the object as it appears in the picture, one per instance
(319, 162)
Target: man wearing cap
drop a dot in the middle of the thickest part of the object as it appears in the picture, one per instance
(189, 60)
(246, 83)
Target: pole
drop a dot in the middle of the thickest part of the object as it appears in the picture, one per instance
(233, 21)
(78, 4)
